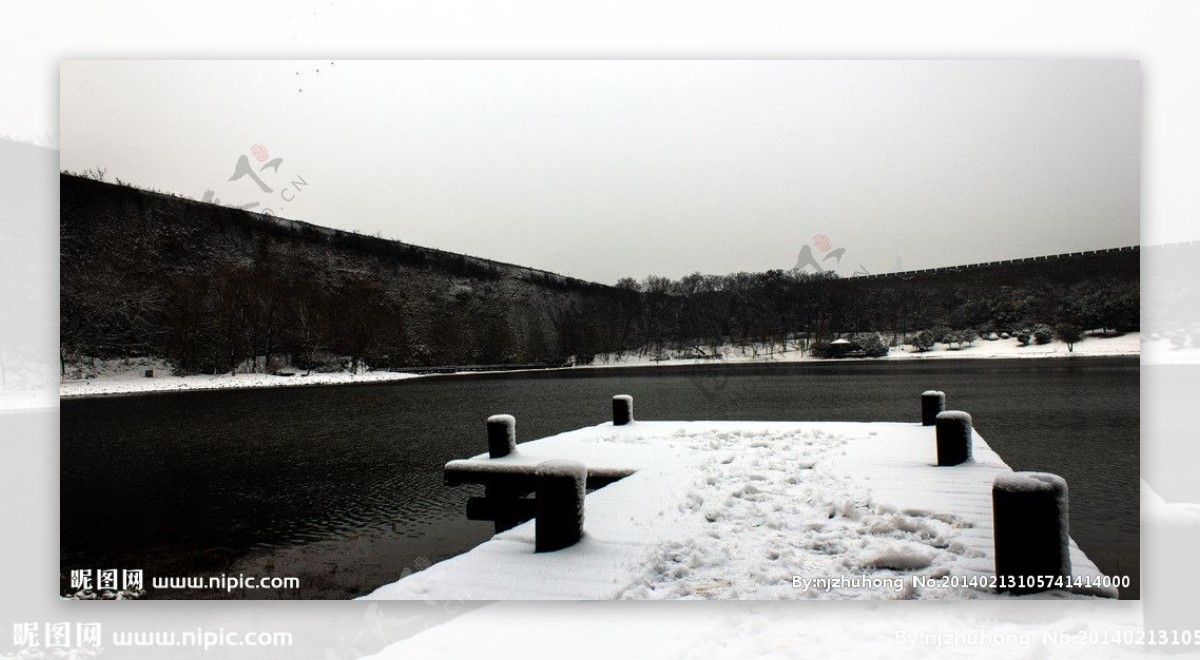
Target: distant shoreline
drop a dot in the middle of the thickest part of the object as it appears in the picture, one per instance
(1127, 345)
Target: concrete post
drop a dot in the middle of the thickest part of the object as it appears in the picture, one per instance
(561, 486)
(932, 403)
(622, 409)
(953, 437)
(1029, 514)
(502, 435)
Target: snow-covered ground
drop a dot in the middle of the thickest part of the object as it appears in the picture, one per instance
(730, 510)
(128, 377)
(1126, 344)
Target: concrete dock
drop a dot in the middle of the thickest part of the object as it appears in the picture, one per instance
(760, 510)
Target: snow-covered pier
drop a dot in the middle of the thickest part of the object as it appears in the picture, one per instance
(764, 510)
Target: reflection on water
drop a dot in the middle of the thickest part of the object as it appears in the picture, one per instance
(342, 485)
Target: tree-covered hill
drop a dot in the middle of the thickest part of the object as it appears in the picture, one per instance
(214, 289)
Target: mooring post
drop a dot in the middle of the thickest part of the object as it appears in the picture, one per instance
(1030, 527)
(561, 486)
(953, 437)
(502, 435)
(622, 409)
(932, 403)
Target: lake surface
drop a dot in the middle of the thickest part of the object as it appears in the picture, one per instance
(342, 487)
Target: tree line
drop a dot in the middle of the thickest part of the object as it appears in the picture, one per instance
(765, 311)
(213, 289)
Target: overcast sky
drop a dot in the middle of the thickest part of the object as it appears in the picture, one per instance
(605, 169)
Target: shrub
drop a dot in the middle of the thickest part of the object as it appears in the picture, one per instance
(1043, 334)
(923, 341)
(1070, 333)
(323, 362)
(967, 337)
(820, 349)
(949, 338)
(959, 337)
(870, 343)
(1024, 337)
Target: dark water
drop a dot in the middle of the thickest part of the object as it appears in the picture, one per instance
(341, 486)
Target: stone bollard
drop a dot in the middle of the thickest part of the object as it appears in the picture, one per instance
(953, 437)
(932, 403)
(502, 435)
(1029, 514)
(622, 409)
(561, 486)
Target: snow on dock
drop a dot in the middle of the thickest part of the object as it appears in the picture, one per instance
(761, 510)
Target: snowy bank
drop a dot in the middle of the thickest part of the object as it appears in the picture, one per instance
(120, 378)
(762, 510)
(981, 349)
(128, 377)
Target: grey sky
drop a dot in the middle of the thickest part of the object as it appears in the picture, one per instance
(602, 169)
